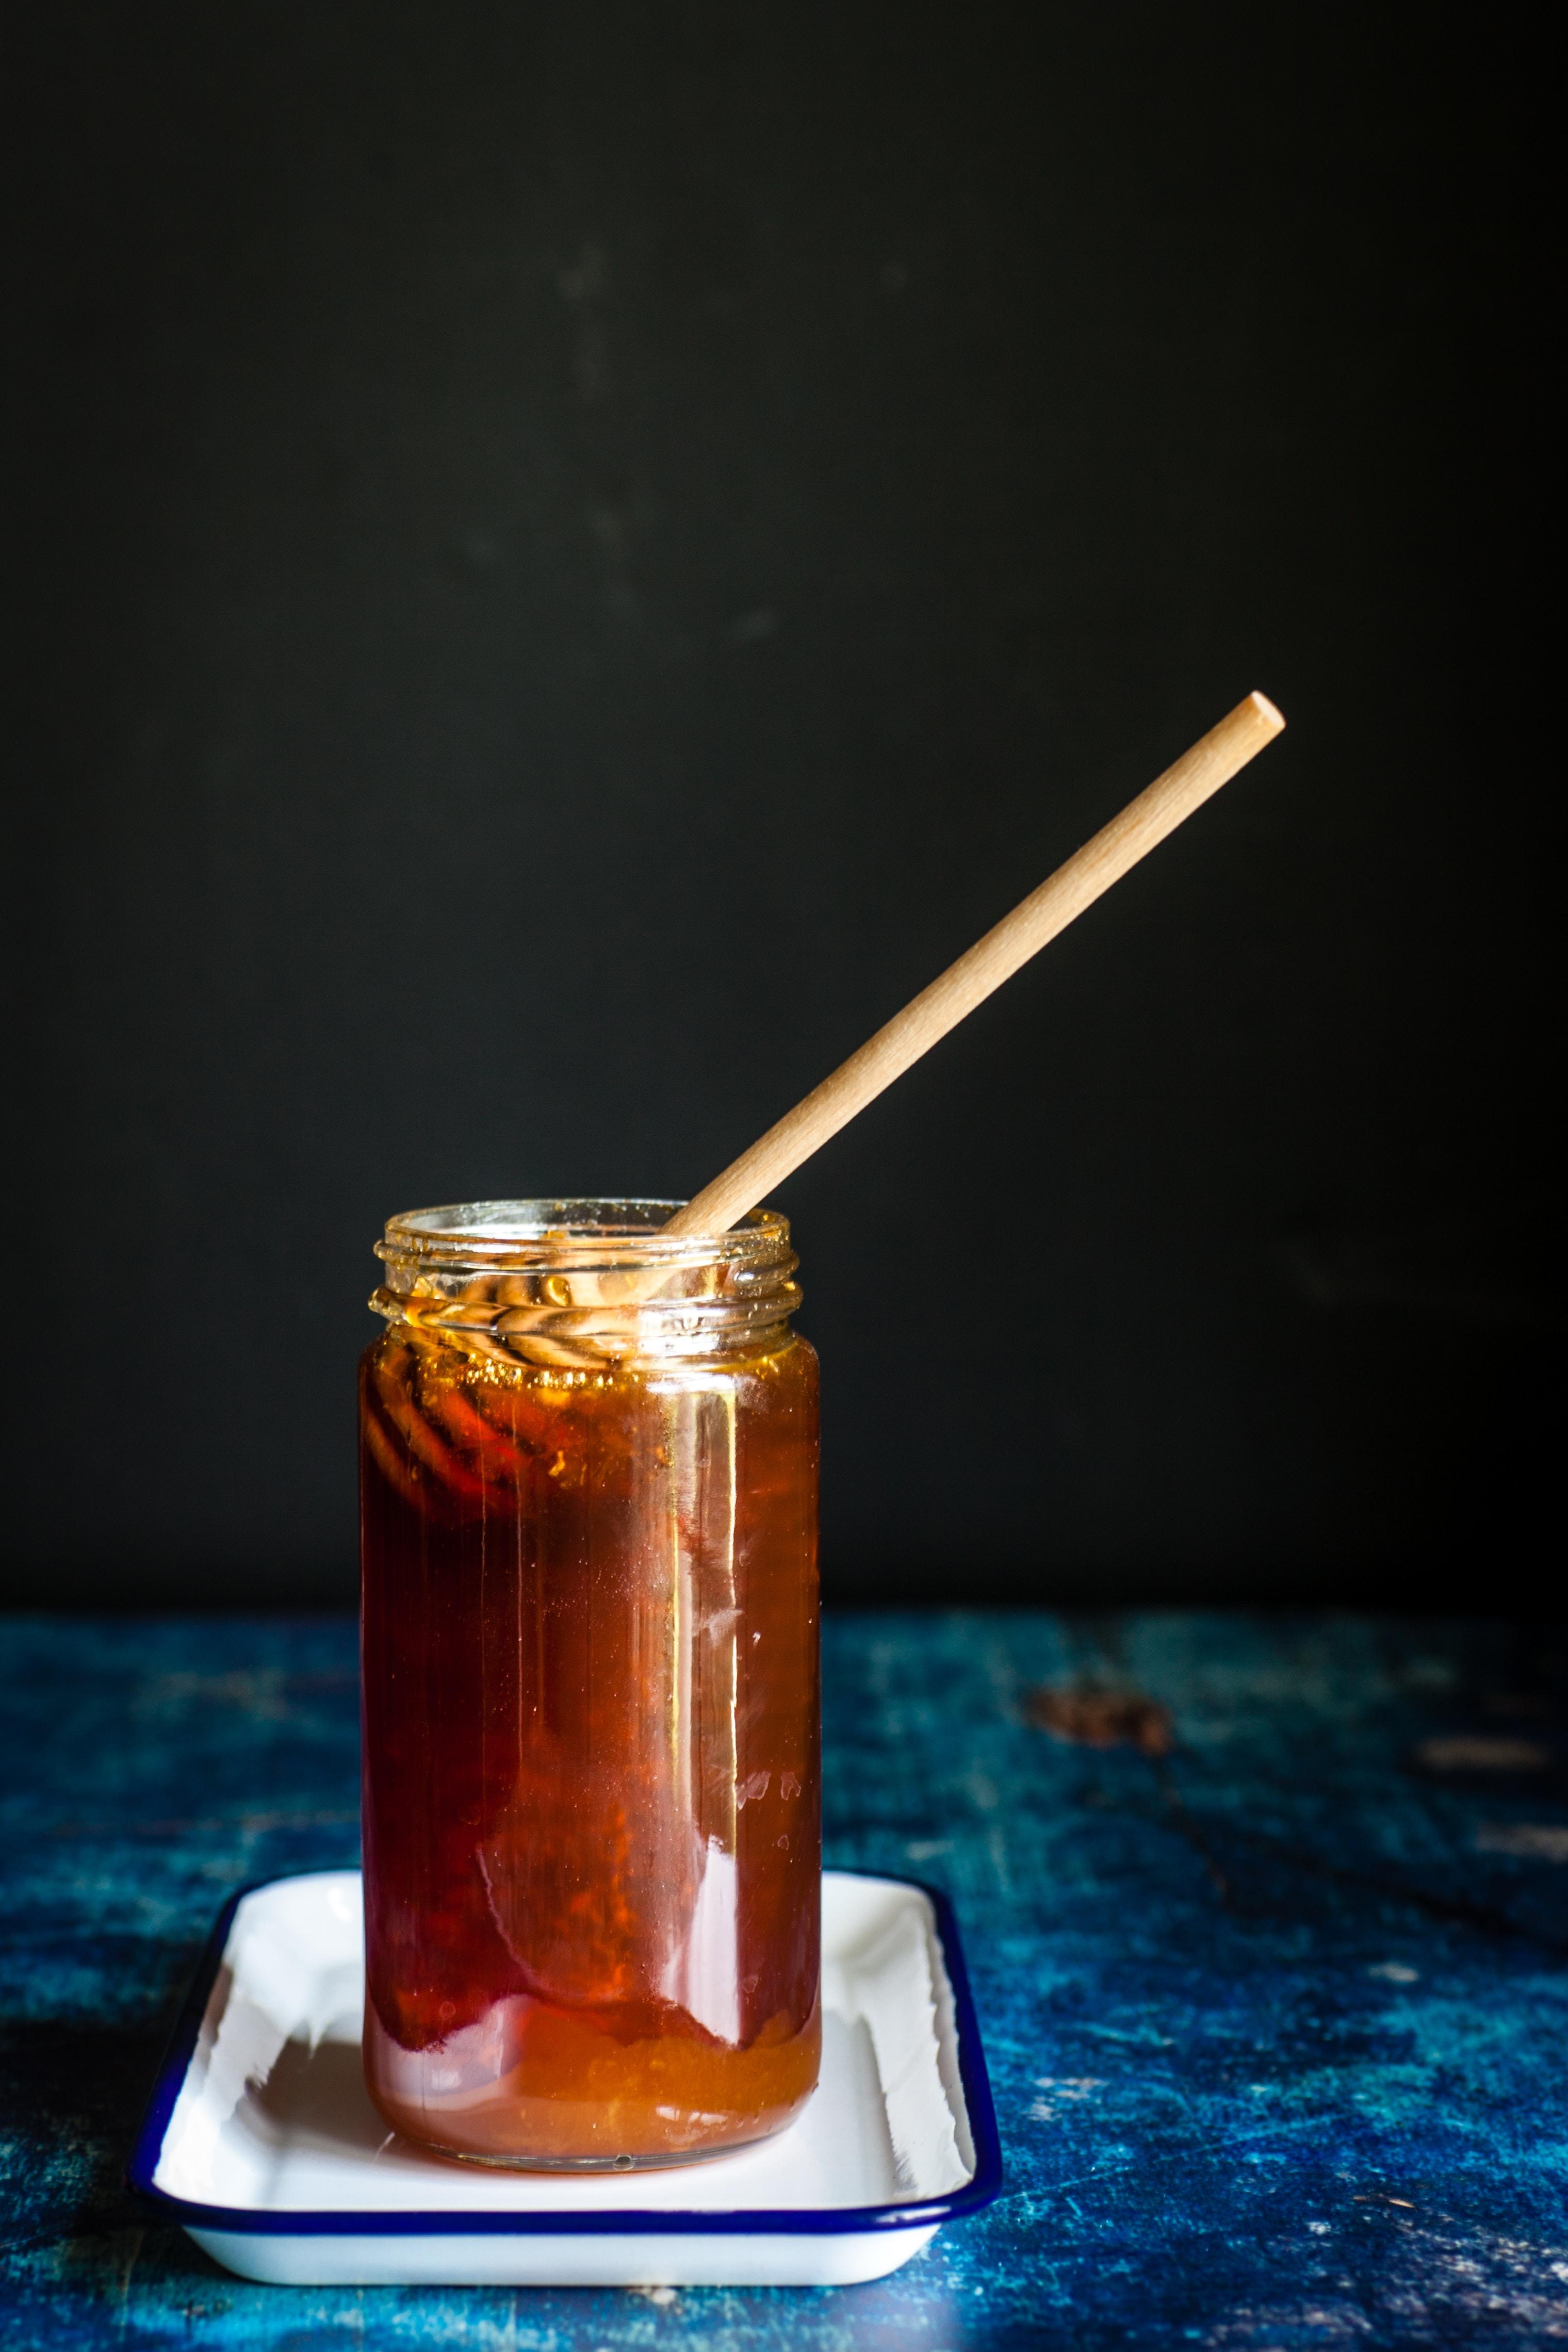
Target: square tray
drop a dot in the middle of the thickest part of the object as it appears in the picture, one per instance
(261, 2141)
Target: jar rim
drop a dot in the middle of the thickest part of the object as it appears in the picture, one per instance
(514, 1235)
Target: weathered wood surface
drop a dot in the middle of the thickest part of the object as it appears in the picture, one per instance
(1276, 2019)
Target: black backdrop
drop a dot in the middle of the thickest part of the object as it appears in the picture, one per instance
(567, 559)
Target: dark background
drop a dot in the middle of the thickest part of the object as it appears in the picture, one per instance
(565, 560)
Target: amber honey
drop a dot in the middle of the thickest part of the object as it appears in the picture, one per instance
(592, 1842)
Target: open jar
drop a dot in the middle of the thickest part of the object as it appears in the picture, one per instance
(590, 1644)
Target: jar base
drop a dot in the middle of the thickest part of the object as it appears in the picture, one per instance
(617, 2166)
(582, 2103)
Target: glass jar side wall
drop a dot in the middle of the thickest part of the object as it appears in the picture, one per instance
(591, 1779)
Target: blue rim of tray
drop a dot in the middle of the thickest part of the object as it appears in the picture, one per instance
(984, 2184)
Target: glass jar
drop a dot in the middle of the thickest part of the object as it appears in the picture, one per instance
(590, 1637)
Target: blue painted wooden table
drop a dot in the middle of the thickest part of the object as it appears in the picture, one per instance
(1276, 2006)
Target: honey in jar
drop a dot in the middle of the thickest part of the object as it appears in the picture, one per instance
(591, 1797)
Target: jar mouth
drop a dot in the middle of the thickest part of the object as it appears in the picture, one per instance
(582, 1284)
(519, 1235)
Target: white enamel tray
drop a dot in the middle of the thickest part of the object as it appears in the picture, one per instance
(261, 2141)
